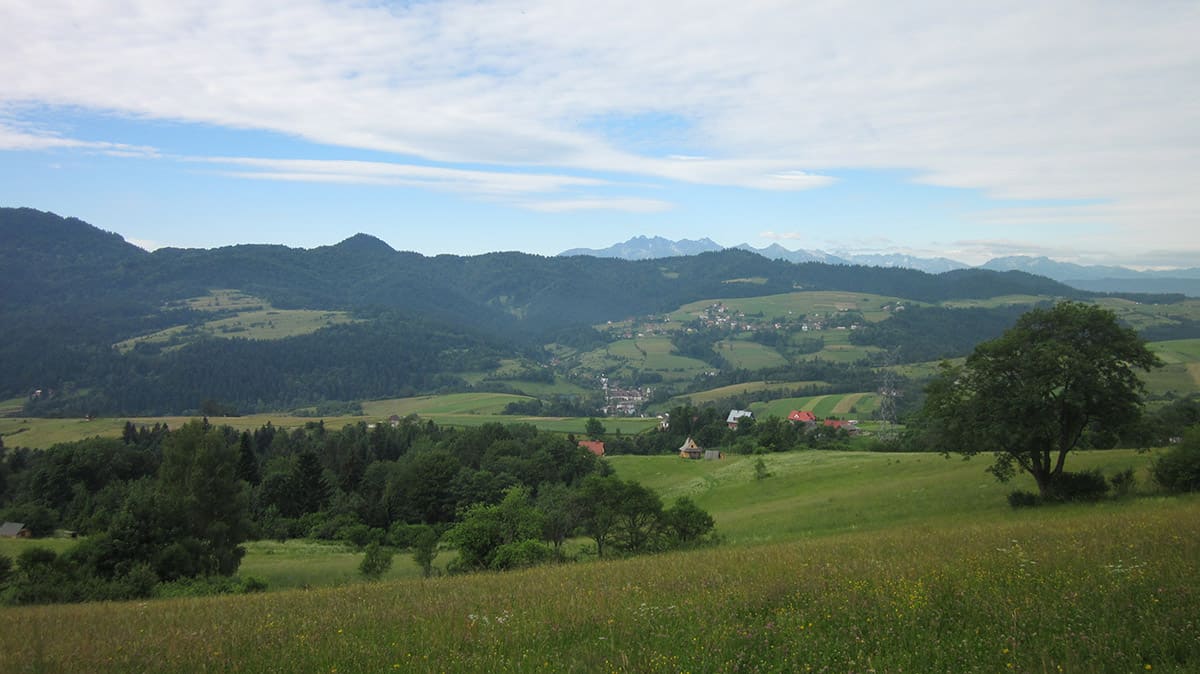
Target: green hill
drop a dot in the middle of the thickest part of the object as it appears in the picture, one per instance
(838, 561)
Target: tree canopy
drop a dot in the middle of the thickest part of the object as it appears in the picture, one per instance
(1030, 395)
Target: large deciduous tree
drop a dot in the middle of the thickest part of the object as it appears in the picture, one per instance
(1029, 396)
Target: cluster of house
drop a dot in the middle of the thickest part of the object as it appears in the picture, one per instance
(690, 450)
(620, 401)
(805, 417)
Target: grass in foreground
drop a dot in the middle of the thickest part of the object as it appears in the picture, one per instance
(1077, 589)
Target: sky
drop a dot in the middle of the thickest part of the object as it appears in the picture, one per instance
(956, 129)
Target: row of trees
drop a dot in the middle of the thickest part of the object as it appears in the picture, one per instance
(158, 506)
(619, 516)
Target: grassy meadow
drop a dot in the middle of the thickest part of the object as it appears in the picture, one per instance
(791, 305)
(237, 314)
(840, 405)
(457, 409)
(948, 587)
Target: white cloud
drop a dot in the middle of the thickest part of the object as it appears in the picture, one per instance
(13, 137)
(1090, 102)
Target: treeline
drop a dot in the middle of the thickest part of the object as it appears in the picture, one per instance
(159, 506)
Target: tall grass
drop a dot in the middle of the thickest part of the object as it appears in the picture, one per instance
(1079, 589)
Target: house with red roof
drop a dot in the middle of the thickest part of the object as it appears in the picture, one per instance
(802, 417)
(850, 426)
(594, 446)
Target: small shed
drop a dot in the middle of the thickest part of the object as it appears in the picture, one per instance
(14, 530)
(690, 450)
(713, 455)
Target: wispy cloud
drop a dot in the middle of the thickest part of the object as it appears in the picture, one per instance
(496, 183)
(16, 138)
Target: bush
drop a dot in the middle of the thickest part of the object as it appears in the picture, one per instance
(361, 535)
(404, 536)
(207, 586)
(253, 584)
(1178, 469)
(1088, 485)
(1123, 483)
(521, 554)
(376, 561)
(1023, 499)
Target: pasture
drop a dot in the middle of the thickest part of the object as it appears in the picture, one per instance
(837, 562)
(457, 409)
(995, 302)
(793, 305)
(648, 354)
(734, 390)
(236, 314)
(747, 355)
(842, 405)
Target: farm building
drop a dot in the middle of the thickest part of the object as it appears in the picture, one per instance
(802, 417)
(594, 446)
(850, 427)
(14, 530)
(690, 450)
(713, 455)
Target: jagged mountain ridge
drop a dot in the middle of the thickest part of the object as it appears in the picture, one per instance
(1095, 278)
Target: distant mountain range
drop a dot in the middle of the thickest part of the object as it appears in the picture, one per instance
(1096, 278)
(70, 292)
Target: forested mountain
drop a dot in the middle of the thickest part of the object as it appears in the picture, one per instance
(69, 292)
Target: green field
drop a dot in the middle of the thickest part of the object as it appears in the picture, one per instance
(842, 405)
(649, 354)
(251, 318)
(429, 406)
(1180, 373)
(792, 305)
(458, 409)
(1139, 315)
(839, 561)
(994, 302)
(734, 390)
(747, 355)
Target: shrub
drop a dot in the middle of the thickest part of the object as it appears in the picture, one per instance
(1088, 485)
(521, 554)
(1023, 499)
(376, 561)
(200, 586)
(252, 584)
(1178, 470)
(404, 536)
(361, 535)
(1123, 482)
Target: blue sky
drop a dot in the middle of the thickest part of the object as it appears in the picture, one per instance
(1040, 128)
